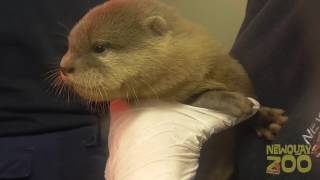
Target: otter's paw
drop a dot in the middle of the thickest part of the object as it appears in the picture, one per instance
(269, 122)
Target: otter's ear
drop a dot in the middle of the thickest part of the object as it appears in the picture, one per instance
(157, 25)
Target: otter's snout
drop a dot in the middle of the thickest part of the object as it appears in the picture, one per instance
(66, 65)
(66, 70)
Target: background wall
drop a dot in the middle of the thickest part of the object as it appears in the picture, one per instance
(223, 18)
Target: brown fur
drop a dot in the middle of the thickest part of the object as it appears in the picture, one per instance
(152, 52)
(185, 52)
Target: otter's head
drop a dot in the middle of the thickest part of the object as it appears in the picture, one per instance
(123, 49)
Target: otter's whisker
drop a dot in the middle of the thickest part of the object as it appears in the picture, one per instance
(51, 76)
(152, 89)
(54, 80)
(135, 95)
(137, 100)
(68, 95)
(105, 92)
(61, 90)
(100, 93)
(64, 36)
(53, 70)
(129, 93)
(65, 27)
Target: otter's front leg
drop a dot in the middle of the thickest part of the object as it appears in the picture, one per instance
(267, 121)
(231, 103)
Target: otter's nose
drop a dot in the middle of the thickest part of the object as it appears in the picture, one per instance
(66, 70)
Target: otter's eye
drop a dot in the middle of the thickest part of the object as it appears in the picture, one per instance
(99, 48)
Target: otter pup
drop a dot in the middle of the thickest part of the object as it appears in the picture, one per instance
(143, 49)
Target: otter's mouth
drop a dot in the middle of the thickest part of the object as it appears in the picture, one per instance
(92, 93)
(95, 93)
(85, 88)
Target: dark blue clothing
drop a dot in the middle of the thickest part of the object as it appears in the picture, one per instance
(78, 154)
(279, 45)
(33, 38)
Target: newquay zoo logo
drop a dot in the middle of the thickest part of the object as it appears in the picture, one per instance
(289, 158)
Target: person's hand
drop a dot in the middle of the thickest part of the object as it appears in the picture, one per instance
(160, 141)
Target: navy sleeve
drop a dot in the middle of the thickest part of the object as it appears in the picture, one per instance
(33, 37)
